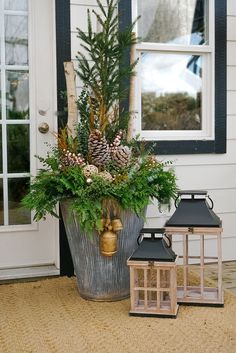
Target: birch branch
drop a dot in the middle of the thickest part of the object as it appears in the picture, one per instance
(71, 98)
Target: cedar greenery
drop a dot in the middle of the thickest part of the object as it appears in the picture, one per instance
(130, 189)
(129, 177)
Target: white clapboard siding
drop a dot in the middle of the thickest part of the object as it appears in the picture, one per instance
(215, 173)
(231, 25)
(231, 50)
(231, 127)
(223, 199)
(208, 177)
(75, 46)
(79, 17)
(231, 8)
(87, 2)
(231, 74)
(231, 99)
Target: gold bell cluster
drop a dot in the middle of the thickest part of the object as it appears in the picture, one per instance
(108, 238)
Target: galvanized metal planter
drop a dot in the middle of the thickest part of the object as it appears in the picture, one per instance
(101, 278)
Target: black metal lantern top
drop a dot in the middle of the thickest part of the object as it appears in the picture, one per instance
(193, 210)
(153, 248)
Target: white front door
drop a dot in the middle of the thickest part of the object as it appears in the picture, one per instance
(28, 99)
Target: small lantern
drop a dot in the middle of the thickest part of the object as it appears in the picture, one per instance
(153, 277)
(194, 219)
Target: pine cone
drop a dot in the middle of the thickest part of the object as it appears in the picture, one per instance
(121, 156)
(98, 149)
(69, 159)
(116, 142)
(89, 170)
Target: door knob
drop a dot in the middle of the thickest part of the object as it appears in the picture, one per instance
(43, 128)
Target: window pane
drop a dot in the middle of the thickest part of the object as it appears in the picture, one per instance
(18, 148)
(15, 5)
(1, 203)
(17, 94)
(16, 38)
(171, 87)
(173, 21)
(17, 189)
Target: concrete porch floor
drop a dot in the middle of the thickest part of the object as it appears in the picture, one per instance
(229, 275)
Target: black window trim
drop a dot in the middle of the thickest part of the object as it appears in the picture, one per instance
(218, 145)
(63, 44)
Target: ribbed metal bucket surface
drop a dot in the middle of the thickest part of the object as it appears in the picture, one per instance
(99, 277)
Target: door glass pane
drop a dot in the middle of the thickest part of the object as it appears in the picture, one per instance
(0, 96)
(18, 157)
(173, 21)
(17, 189)
(0, 149)
(171, 86)
(14, 105)
(17, 94)
(1, 203)
(16, 39)
(21, 5)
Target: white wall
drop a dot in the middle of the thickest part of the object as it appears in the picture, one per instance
(214, 173)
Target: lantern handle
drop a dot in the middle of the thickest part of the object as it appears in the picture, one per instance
(166, 237)
(139, 239)
(177, 198)
(211, 201)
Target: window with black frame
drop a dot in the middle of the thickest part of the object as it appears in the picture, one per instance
(180, 90)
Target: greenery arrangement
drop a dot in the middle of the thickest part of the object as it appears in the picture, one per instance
(100, 169)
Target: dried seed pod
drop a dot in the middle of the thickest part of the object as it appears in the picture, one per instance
(106, 176)
(89, 170)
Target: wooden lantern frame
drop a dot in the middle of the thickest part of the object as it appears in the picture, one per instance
(146, 305)
(199, 295)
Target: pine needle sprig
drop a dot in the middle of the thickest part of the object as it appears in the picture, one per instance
(100, 68)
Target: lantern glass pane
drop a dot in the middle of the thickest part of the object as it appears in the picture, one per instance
(211, 271)
(194, 249)
(210, 251)
(139, 277)
(165, 300)
(152, 278)
(139, 299)
(165, 278)
(193, 277)
(180, 275)
(152, 300)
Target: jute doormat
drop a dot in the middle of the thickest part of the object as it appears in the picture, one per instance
(50, 317)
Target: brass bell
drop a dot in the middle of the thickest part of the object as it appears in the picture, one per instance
(108, 243)
(116, 225)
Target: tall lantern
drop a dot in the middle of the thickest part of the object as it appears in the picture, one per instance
(153, 277)
(195, 220)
